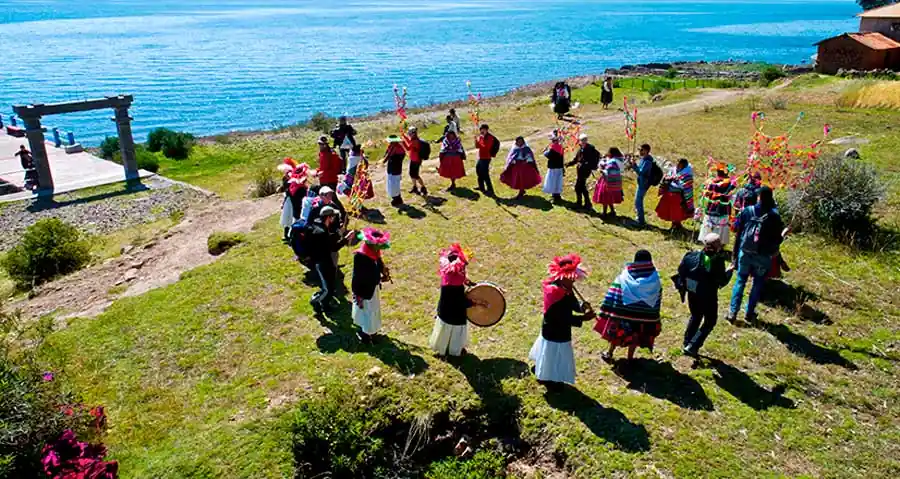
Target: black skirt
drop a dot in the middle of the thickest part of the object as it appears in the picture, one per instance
(606, 97)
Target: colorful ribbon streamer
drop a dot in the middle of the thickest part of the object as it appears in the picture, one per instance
(400, 105)
(474, 107)
(780, 164)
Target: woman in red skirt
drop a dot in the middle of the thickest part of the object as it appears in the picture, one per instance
(521, 172)
(608, 191)
(676, 192)
(451, 158)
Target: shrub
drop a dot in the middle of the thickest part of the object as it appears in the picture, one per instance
(777, 103)
(49, 248)
(157, 137)
(265, 183)
(483, 465)
(219, 242)
(109, 147)
(838, 200)
(320, 122)
(770, 74)
(671, 73)
(655, 89)
(177, 145)
(145, 159)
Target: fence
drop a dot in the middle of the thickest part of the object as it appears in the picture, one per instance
(654, 84)
(57, 134)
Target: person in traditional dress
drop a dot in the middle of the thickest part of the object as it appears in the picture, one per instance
(701, 275)
(455, 118)
(369, 271)
(556, 164)
(356, 181)
(718, 198)
(419, 150)
(588, 160)
(676, 192)
(608, 191)
(393, 157)
(561, 98)
(606, 92)
(521, 171)
(451, 330)
(329, 165)
(629, 316)
(488, 146)
(344, 136)
(554, 359)
(451, 158)
(288, 210)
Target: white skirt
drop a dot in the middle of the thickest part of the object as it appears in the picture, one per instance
(553, 361)
(715, 224)
(368, 318)
(553, 181)
(287, 213)
(448, 339)
(393, 185)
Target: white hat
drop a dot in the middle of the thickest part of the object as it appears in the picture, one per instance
(583, 136)
(325, 190)
(328, 211)
(712, 238)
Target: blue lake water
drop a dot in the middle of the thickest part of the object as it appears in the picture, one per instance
(210, 66)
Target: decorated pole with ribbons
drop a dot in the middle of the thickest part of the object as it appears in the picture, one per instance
(780, 164)
(474, 107)
(631, 124)
(400, 108)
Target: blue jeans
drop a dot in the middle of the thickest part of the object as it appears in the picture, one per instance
(639, 203)
(757, 266)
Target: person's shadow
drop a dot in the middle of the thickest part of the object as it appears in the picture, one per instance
(606, 423)
(411, 211)
(342, 337)
(793, 300)
(740, 385)
(486, 376)
(802, 346)
(465, 193)
(663, 381)
(528, 201)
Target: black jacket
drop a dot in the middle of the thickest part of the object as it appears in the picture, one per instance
(343, 131)
(587, 159)
(694, 278)
(453, 304)
(560, 318)
(366, 275)
(320, 243)
(554, 159)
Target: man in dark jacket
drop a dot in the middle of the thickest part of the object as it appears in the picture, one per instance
(701, 275)
(759, 232)
(344, 140)
(588, 160)
(321, 241)
(644, 171)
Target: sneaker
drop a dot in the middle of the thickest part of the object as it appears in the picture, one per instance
(751, 318)
(688, 352)
(424, 191)
(731, 317)
(414, 191)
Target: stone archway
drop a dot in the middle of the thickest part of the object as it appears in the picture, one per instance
(31, 116)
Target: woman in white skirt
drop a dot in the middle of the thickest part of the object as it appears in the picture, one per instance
(393, 157)
(553, 181)
(451, 330)
(294, 185)
(554, 359)
(369, 272)
(717, 201)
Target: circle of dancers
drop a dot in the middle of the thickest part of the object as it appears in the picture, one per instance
(315, 222)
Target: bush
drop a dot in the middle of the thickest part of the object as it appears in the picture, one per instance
(838, 201)
(157, 137)
(177, 146)
(109, 147)
(49, 248)
(320, 122)
(777, 103)
(219, 242)
(671, 73)
(483, 465)
(265, 183)
(655, 89)
(770, 74)
(145, 159)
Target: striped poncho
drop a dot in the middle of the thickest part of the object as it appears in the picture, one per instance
(636, 294)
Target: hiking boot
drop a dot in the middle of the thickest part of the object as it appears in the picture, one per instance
(424, 191)
(414, 191)
(752, 318)
(687, 351)
(731, 317)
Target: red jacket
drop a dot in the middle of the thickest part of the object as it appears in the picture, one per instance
(329, 167)
(485, 145)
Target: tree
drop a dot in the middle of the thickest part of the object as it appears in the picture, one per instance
(870, 4)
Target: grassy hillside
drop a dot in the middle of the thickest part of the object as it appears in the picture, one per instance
(200, 378)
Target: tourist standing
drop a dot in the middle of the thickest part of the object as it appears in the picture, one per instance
(488, 146)
(27, 162)
(700, 276)
(419, 150)
(606, 93)
(629, 316)
(553, 181)
(676, 192)
(369, 272)
(717, 212)
(759, 232)
(644, 170)
(451, 158)
(451, 332)
(344, 137)
(322, 241)
(521, 172)
(554, 359)
(588, 160)
(608, 191)
(329, 165)
(561, 98)
(393, 157)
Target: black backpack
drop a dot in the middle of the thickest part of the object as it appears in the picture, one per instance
(495, 147)
(424, 150)
(762, 234)
(656, 174)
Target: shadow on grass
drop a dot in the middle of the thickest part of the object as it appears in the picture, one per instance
(465, 193)
(802, 346)
(792, 299)
(374, 216)
(43, 203)
(663, 381)
(740, 385)
(486, 377)
(529, 201)
(412, 212)
(606, 423)
(342, 337)
(433, 203)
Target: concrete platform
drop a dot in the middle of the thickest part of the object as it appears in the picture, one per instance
(70, 171)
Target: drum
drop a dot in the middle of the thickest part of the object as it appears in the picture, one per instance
(490, 305)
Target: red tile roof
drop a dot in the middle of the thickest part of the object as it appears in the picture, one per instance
(889, 11)
(873, 40)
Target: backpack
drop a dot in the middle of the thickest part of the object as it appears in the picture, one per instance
(495, 147)
(656, 174)
(424, 150)
(761, 234)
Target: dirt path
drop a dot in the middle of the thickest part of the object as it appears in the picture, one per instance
(153, 265)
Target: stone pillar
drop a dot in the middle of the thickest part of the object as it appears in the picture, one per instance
(126, 143)
(35, 133)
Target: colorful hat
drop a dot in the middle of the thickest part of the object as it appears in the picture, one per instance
(376, 239)
(393, 139)
(455, 249)
(323, 140)
(288, 164)
(566, 267)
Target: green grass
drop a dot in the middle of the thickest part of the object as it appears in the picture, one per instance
(199, 377)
